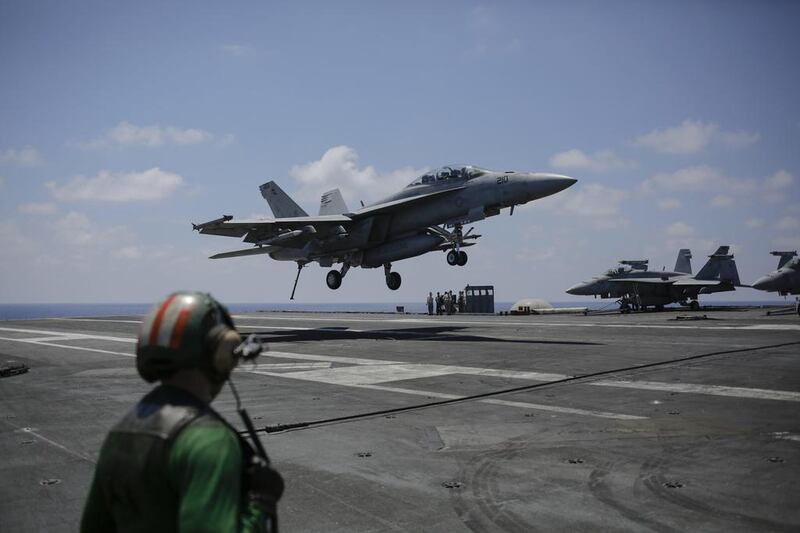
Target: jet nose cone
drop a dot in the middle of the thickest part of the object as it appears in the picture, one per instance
(578, 290)
(763, 284)
(541, 185)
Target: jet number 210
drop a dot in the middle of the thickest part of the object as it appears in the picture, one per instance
(502, 179)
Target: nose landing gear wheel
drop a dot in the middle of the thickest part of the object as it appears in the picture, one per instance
(462, 258)
(452, 258)
(393, 280)
(333, 279)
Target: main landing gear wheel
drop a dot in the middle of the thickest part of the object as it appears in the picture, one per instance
(333, 279)
(462, 258)
(452, 258)
(393, 280)
(694, 305)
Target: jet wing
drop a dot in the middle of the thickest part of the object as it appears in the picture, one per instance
(257, 250)
(272, 231)
(396, 205)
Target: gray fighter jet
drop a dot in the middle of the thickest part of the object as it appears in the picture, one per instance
(658, 288)
(786, 279)
(427, 215)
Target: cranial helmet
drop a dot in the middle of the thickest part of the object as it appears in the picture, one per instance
(187, 330)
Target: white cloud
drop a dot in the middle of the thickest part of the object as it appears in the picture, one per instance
(682, 235)
(698, 178)
(780, 180)
(237, 49)
(76, 229)
(738, 139)
(592, 200)
(754, 223)
(680, 229)
(37, 208)
(127, 134)
(128, 252)
(722, 200)
(338, 168)
(788, 223)
(669, 203)
(601, 161)
(786, 243)
(152, 184)
(27, 156)
(691, 136)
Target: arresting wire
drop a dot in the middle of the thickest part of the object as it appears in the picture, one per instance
(279, 428)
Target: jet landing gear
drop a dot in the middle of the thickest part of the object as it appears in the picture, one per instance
(393, 279)
(334, 277)
(457, 257)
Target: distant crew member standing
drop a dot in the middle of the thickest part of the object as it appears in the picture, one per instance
(172, 463)
(430, 303)
(439, 303)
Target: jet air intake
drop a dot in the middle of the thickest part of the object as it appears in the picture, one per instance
(400, 249)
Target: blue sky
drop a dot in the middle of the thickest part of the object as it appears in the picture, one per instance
(123, 123)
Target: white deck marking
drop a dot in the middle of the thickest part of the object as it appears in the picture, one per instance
(442, 322)
(369, 372)
(71, 335)
(715, 390)
(112, 320)
(67, 346)
(756, 327)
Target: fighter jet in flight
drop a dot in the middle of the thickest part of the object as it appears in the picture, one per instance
(656, 288)
(786, 279)
(427, 215)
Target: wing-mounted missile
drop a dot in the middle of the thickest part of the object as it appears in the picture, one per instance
(210, 223)
(635, 264)
(287, 236)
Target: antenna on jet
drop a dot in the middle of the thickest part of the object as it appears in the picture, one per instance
(362, 203)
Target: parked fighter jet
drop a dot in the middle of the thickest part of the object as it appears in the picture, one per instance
(427, 215)
(660, 288)
(786, 279)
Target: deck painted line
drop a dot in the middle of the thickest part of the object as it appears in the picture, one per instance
(372, 372)
(67, 346)
(30, 431)
(714, 390)
(439, 321)
(567, 410)
(111, 320)
(71, 335)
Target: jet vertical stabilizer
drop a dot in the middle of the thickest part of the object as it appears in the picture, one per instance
(282, 206)
(720, 266)
(785, 257)
(684, 262)
(332, 203)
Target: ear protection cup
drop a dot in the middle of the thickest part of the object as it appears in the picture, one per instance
(220, 343)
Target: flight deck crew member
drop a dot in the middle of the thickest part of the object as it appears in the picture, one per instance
(172, 463)
(430, 303)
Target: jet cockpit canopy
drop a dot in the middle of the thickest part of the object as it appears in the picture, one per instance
(616, 271)
(453, 172)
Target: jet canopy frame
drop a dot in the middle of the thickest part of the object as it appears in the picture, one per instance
(447, 173)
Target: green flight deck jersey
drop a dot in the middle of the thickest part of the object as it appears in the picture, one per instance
(171, 464)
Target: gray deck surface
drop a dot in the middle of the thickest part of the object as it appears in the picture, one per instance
(709, 444)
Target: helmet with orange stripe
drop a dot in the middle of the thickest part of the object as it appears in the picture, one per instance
(187, 330)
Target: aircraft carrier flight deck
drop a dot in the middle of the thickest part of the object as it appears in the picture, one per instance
(379, 422)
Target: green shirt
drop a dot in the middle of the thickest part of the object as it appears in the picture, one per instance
(172, 464)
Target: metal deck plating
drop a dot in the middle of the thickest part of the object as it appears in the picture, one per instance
(461, 423)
